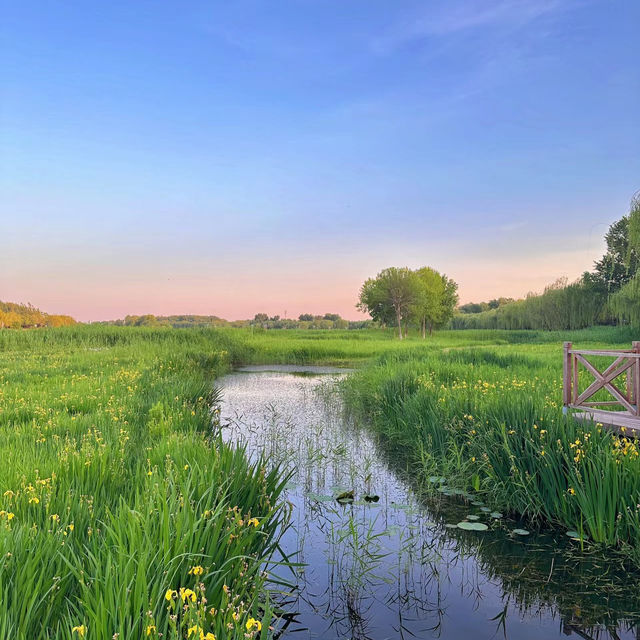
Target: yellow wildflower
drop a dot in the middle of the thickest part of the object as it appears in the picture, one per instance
(187, 594)
(170, 595)
(80, 630)
(254, 521)
(253, 623)
(150, 628)
(196, 571)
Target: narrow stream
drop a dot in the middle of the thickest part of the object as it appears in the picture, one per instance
(391, 564)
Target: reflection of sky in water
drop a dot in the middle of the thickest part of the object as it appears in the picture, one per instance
(392, 569)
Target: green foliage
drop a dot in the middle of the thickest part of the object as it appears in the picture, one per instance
(620, 262)
(113, 486)
(490, 418)
(561, 307)
(400, 296)
(625, 303)
(389, 298)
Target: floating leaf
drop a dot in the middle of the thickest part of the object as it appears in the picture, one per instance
(574, 535)
(495, 514)
(472, 526)
(345, 496)
(477, 503)
(317, 497)
(434, 479)
(472, 517)
(485, 509)
(521, 532)
(371, 498)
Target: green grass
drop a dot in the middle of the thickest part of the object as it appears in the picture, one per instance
(112, 486)
(489, 418)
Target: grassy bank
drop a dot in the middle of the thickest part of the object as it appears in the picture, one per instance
(489, 419)
(120, 515)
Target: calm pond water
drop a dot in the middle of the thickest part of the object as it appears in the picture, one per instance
(399, 567)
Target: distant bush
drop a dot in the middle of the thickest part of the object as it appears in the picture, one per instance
(26, 316)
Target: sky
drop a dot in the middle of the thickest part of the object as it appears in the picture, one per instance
(231, 158)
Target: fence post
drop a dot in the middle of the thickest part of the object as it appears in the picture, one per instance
(566, 377)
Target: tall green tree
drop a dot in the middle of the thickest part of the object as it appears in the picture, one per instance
(427, 307)
(436, 299)
(620, 263)
(390, 297)
(625, 302)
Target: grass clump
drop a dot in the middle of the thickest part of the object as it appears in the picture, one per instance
(490, 419)
(121, 514)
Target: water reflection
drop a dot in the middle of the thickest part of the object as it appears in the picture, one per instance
(391, 564)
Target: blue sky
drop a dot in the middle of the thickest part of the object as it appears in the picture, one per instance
(244, 156)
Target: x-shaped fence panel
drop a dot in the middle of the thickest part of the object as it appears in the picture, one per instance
(624, 362)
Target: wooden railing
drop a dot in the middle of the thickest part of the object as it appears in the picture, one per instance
(624, 361)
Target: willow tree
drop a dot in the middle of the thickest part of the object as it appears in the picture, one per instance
(389, 298)
(625, 303)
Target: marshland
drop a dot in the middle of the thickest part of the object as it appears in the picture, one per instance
(320, 320)
(348, 484)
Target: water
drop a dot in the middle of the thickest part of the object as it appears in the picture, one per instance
(398, 567)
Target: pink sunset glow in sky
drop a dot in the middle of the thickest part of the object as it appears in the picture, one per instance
(234, 158)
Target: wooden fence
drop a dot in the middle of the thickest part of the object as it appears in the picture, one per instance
(626, 400)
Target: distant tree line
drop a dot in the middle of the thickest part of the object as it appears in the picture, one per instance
(177, 322)
(26, 316)
(607, 295)
(260, 320)
(401, 297)
(308, 321)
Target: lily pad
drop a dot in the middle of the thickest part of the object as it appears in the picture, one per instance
(317, 497)
(496, 514)
(472, 526)
(574, 535)
(485, 509)
(371, 498)
(444, 489)
(472, 517)
(521, 532)
(434, 479)
(345, 497)
(362, 503)
(477, 503)
(451, 526)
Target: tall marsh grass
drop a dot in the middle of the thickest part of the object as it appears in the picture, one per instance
(121, 514)
(491, 420)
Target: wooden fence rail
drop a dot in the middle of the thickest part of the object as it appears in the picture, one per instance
(626, 400)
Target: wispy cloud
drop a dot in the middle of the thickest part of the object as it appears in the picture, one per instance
(464, 15)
